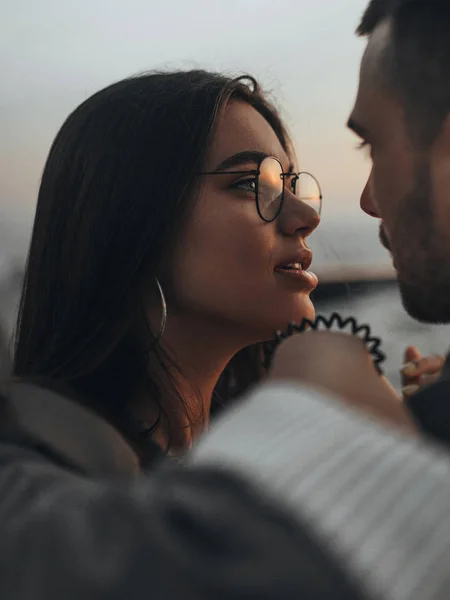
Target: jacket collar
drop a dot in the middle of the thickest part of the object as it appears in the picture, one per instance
(68, 431)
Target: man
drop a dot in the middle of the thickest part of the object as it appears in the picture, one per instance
(402, 113)
(316, 486)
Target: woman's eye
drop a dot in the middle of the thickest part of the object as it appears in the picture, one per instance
(248, 185)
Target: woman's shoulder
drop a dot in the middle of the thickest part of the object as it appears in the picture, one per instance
(42, 421)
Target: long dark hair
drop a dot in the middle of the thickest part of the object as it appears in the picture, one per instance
(118, 183)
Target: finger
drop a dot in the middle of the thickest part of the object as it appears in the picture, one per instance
(426, 380)
(410, 390)
(410, 355)
(427, 365)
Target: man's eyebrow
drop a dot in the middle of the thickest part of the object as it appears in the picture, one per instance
(357, 128)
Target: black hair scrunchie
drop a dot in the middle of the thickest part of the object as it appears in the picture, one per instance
(334, 322)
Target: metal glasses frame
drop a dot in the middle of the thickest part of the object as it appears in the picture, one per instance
(284, 175)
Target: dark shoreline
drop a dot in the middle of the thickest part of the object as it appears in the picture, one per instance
(335, 290)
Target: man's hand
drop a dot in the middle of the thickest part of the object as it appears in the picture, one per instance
(340, 364)
(419, 371)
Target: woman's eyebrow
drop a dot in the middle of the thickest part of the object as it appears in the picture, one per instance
(241, 158)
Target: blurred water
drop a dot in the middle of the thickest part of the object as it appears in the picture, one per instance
(382, 309)
(342, 248)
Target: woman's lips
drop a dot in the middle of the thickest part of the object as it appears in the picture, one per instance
(306, 278)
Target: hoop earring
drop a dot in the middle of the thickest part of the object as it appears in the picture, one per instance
(164, 311)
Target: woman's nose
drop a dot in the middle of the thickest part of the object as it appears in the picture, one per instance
(297, 217)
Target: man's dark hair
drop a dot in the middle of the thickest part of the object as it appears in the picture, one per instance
(417, 60)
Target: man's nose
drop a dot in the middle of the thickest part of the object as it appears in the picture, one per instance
(367, 202)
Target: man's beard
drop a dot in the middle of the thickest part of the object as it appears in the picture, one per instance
(422, 255)
(383, 238)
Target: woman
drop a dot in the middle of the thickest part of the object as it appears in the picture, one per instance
(170, 235)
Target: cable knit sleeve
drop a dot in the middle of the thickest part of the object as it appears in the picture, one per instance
(378, 500)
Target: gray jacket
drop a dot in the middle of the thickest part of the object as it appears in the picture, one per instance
(288, 497)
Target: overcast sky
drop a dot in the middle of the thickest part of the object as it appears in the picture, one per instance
(55, 53)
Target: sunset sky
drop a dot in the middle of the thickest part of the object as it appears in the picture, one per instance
(55, 53)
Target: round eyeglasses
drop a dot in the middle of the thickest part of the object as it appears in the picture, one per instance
(270, 183)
